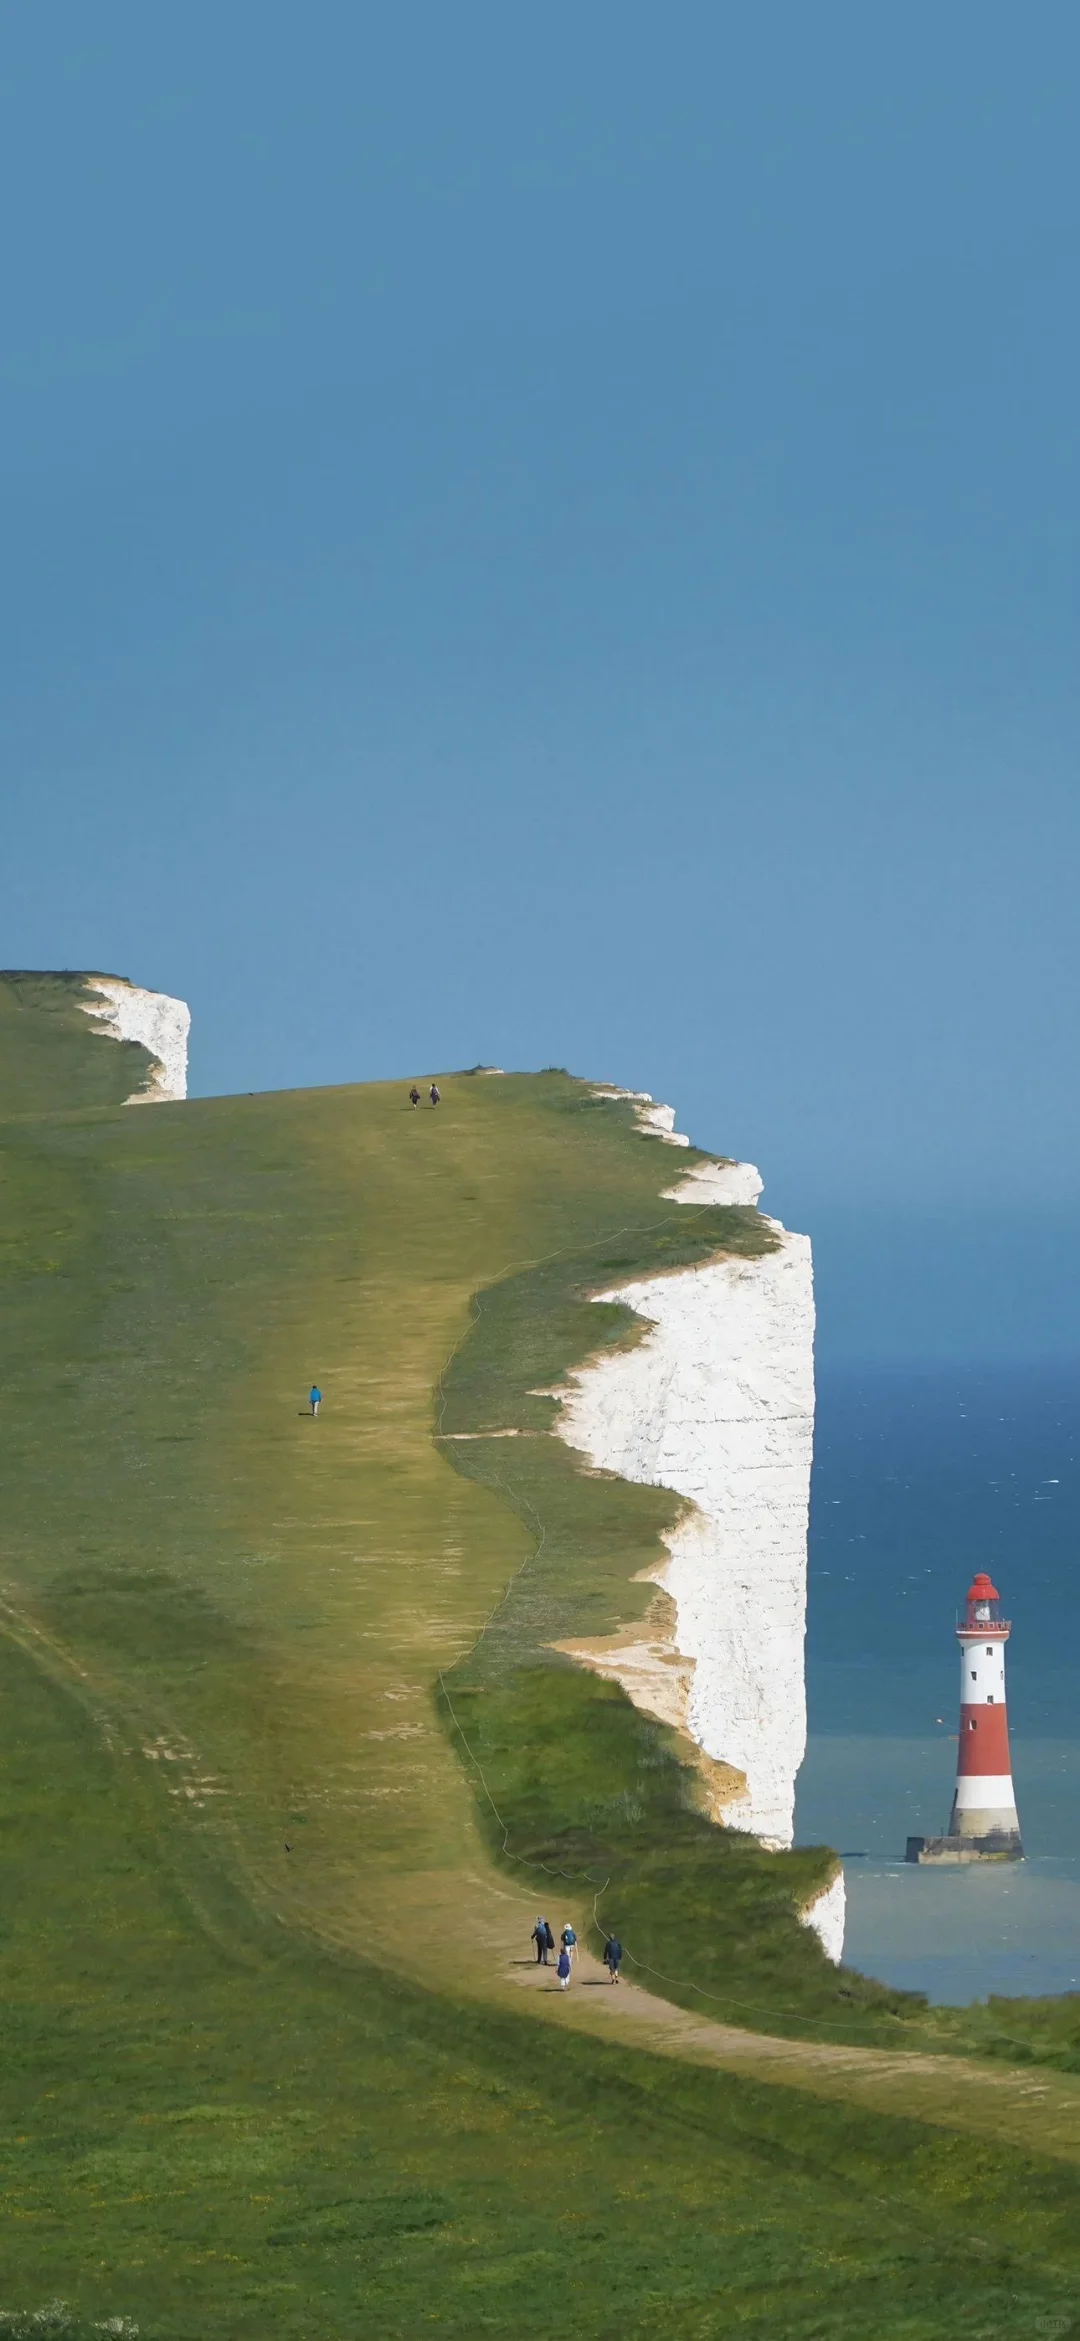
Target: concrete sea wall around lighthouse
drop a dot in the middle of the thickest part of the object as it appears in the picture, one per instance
(717, 1403)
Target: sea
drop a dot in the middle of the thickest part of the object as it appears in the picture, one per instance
(921, 1477)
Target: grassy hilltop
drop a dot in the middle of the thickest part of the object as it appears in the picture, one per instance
(278, 1811)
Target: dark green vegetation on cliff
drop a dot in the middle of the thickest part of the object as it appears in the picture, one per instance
(269, 2065)
(46, 1060)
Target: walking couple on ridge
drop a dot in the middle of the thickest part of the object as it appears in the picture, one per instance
(433, 1093)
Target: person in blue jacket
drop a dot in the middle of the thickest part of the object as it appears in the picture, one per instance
(316, 1398)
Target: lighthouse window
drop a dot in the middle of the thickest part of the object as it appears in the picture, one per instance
(989, 1649)
(974, 1675)
(989, 1698)
(972, 1724)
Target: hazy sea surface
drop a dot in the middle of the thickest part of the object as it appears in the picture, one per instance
(920, 1479)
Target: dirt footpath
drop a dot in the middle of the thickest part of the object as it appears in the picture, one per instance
(1034, 2109)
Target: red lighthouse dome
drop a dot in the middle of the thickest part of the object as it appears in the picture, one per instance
(981, 1612)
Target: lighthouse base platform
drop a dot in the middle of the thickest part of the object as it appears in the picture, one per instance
(997, 1845)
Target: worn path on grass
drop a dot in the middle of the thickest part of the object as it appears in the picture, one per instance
(474, 1942)
(262, 1604)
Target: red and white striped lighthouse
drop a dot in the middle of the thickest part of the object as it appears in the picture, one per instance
(984, 1808)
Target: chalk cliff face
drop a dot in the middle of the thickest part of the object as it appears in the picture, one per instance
(827, 1914)
(159, 1023)
(654, 1121)
(717, 1402)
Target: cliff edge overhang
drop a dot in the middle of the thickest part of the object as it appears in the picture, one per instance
(160, 1024)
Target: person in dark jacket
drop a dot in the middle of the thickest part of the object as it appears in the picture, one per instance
(433, 1093)
(414, 1097)
(541, 1936)
(548, 1936)
(613, 1957)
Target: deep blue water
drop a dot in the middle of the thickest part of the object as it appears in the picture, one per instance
(920, 1478)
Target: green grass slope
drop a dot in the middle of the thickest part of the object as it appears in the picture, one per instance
(210, 2127)
(50, 1055)
(271, 2064)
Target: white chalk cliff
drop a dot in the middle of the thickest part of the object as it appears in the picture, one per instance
(160, 1024)
(827, 1914)
(717, 1402)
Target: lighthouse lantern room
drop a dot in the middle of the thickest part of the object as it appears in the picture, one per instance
(983, 1824)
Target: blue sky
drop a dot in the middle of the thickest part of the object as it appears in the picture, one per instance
(554, 539)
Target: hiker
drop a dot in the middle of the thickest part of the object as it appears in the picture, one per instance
(433, 1093)
(564, 1968)
(568, 1940)
(543, 1938)
(414, 1097)
(613, 1957)
(549, 1938)
(316, 1398)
